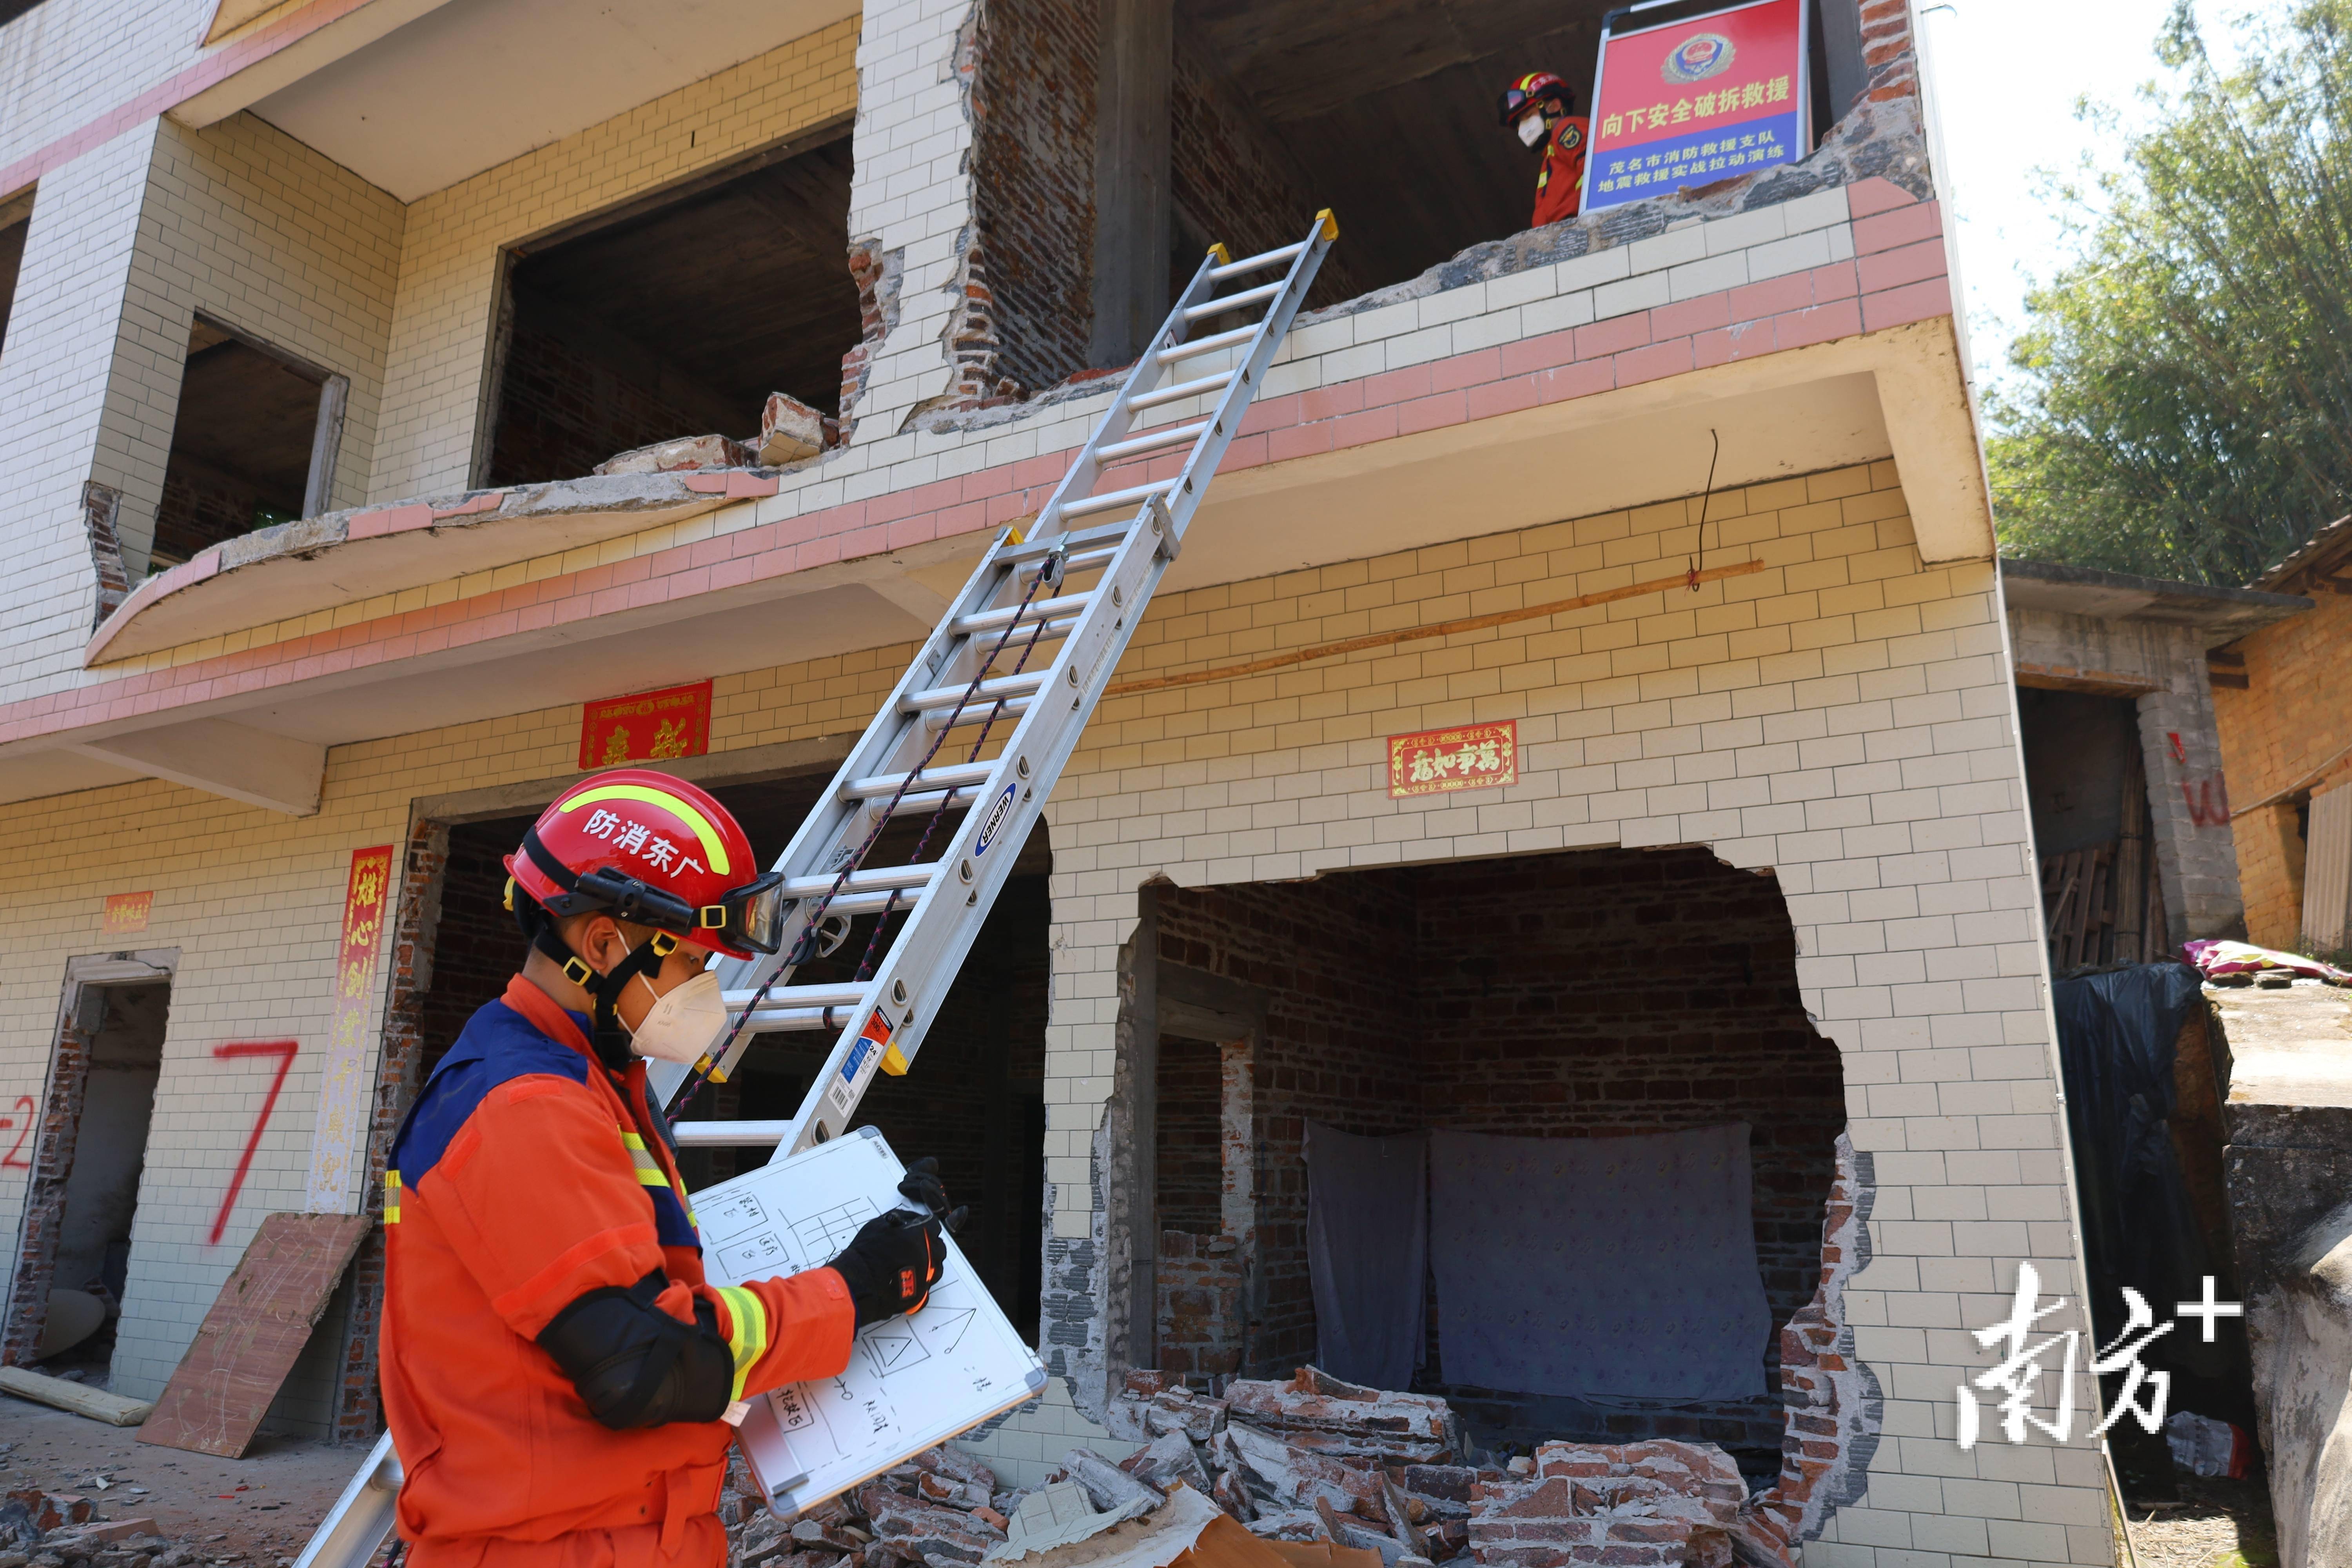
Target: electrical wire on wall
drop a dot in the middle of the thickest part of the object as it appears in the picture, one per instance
(1699, 559)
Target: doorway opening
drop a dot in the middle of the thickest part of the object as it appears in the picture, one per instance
(677, 315)
(2087, 789)
(88, 1152)
(1619, 1010)
(253, 445)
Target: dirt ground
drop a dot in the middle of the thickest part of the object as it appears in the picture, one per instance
(261, 1508)
(2216, 1523)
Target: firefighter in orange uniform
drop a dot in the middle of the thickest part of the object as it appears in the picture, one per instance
(1540, 108)
(556, 1374)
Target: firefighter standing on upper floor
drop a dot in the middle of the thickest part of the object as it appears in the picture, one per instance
(556, 1374)
(1540, 108)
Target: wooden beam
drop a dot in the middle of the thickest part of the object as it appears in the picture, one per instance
(94, 1403)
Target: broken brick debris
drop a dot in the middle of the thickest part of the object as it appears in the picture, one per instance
(791, 431)
(1308, 1460)
(680, 454)
(1642, 1505)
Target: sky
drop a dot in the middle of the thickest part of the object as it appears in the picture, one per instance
(2007, 74)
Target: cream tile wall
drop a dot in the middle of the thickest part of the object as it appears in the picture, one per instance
(79, 359)
(1843, 715)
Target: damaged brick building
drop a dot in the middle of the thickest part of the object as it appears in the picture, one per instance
(326, 332)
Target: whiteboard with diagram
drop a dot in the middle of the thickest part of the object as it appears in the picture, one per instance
(912, 1382)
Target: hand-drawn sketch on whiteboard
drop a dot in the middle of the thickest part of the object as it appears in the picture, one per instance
(912, 1382)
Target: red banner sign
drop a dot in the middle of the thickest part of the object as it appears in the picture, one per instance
(1439, 762)
(367, 901)
(1690, 102)
(646, 727)
(126, 913)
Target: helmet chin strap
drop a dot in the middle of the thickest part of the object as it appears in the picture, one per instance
(609, 1035)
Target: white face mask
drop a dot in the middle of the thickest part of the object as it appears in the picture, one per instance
(1531, 129)
(684, 1023)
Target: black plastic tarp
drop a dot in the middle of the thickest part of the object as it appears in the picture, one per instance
(2116, 1035)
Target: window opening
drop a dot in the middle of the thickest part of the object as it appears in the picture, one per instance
(677, 316)
(253, 443)
(16, 225)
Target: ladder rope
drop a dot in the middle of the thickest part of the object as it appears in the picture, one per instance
(1048, 569)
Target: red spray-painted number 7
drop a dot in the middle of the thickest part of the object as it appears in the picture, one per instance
(284, 1051)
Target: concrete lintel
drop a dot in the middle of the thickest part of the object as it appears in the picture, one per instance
(1933, 431)
(221, 758)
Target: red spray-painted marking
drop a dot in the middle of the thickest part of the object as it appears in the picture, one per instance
(284, 1051)
(14, 1159)
(2202, 811)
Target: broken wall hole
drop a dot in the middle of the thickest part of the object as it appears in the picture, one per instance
(675, 315)
(253, 445)
(84, 1148)
(1114, 143)
(976, 1101)
(1588, 994)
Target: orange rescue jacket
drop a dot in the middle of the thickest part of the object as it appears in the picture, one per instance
(526, 1175)
(1560, 185)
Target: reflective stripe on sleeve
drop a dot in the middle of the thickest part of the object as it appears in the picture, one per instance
(649, 1171)
(391, 1197)
(748, 1330)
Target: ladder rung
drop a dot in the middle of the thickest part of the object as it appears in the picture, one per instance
(953, 800)
(978, 714)
(1182, 389)
(1109, 534)
(1208, 345)
(867, 903)
(985, 692)
(990, 620)
(847, 996)
(1152, 441)
(1241, 301)
(954, 775)
(729, 1135)
(881, 881)
(1258, 263)
(1111, 500)
(780, 1020)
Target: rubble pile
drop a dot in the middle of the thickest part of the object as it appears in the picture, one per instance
(1310, 1459)
(60, 1530)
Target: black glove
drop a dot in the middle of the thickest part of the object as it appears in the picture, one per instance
(891, 1265)
(923, 1189)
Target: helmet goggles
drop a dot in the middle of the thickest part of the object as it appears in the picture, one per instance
(751, 915)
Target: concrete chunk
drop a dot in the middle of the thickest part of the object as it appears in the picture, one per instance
(679, 455)
(790, 431)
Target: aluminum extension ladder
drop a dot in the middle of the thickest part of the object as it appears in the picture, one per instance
(1021, 599)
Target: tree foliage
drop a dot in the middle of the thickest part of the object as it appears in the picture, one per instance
(2182, 401)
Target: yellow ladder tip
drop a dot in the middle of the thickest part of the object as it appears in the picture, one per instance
(1224, 258)
(893, 1063)
(1330, 225)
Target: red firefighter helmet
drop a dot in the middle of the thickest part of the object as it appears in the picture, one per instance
(644, 846)
(1523, 93)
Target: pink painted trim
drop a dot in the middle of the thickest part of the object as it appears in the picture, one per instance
(1772, 317)
(489, 500)
(208, 72)
(187, 575)
(387, 519)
